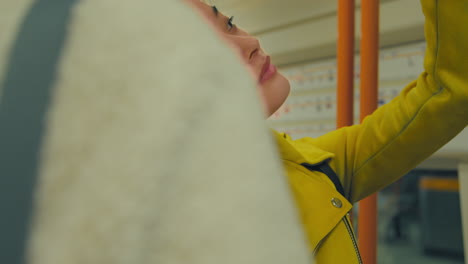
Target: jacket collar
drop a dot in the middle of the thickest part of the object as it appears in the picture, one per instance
(299, 152)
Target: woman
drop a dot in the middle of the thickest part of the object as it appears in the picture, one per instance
(330, 173)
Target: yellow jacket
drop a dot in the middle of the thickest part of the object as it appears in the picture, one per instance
(394, 139)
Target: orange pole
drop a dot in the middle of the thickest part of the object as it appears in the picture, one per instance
(345, 51)
(367, 232)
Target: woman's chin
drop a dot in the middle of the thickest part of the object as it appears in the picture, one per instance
(275, 92)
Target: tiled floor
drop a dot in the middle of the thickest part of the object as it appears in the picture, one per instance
(408, 250)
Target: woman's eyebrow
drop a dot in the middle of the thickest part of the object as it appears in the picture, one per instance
(215, 10)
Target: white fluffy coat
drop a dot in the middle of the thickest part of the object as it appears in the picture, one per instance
(156, 150)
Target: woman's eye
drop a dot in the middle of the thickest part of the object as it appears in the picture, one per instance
(230, 25)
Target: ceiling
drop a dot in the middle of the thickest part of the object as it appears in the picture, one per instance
(258, 16)
(292, 31)
(264, 15)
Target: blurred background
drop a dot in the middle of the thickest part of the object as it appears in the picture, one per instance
(420, 216)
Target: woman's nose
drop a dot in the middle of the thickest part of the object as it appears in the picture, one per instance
(249, 46)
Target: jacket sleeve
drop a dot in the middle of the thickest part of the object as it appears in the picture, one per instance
(427, 114)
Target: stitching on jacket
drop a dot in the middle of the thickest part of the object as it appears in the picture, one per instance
(436, 63)
(398, 135)
(441, 89)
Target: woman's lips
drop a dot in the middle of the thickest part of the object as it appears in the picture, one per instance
(268, 71)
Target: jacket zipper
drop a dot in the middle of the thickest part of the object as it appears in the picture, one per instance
(353, 238)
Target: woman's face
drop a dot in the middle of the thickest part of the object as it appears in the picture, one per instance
(274, 87)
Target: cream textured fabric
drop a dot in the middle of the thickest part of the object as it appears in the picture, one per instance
(156, 150)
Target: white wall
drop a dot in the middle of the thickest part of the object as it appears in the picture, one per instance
(463, 178)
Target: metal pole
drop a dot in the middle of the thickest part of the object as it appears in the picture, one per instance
(367, 232)
(345, 54)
